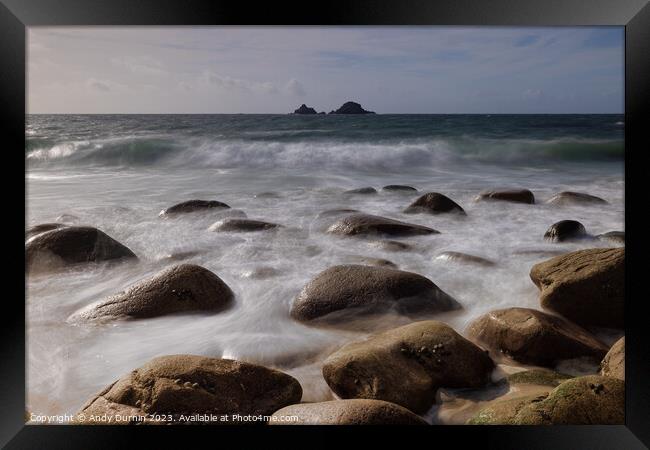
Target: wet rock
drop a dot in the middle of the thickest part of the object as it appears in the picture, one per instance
(399, 188)
(565, 230)
(364, 190)
(188, 385)
(346, 412)
(356, 289)
(67, 246)
(540, 377)
(406, 365)
(574, 198)
(192, 206)
(242, 225)
(586, 286)
(42, 228)
(534, 337)
(465, 258)
(335, 212)
(613, 365)
(503, 411)
(515, 195)
(434, 203)
(588, 400)
(391, 246)
(617, 237)
(182, 288)
(366, 224)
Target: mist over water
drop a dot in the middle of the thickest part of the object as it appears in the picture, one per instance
(118, 172)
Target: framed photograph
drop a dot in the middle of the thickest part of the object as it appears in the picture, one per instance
(354, 216)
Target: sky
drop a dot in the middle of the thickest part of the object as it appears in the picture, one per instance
(445, 70)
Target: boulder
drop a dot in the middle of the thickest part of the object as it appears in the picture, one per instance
(182, 288)
(534, 337)
(352, 290)
(187, 385)
(588, 400)
(406, 365)
(192, 206)
(617, 237)
(565, 230)
(515, 195)
(586, 286)
(574, 198)
(434, 203)
(613, 364)
(366, 224)
(242, 225)
(42, 228)
(70, 245)
(503, 411)
(363, 190)
(346, 412)
(465, 258)
(399, 188)
(304, 109)
(351, 108)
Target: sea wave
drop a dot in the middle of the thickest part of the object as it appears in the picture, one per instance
(327, 153)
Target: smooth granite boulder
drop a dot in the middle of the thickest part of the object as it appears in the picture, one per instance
(588, 400)
(434, 203)
(586, 286)
(184, 385)
(575, 198)
(353, 290)
(613, 364)
(68, 246)
(242, 225)
(515, 195)
(534, 337)
(407, 365)
(346, 412)
(181, 288)
(366, 224)
(566, 230)
(192, 206)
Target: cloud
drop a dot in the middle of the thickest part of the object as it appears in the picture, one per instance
(98, 85)
(295, 87)
(230, 83)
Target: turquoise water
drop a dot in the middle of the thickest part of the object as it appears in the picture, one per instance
(117, 172)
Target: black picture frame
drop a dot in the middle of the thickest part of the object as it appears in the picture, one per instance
(16, 15)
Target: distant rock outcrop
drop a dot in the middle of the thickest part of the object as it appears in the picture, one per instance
(351, 108)
(304, 109)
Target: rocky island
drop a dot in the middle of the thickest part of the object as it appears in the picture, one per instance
(304, 109)
(346, 108)
(351, 108)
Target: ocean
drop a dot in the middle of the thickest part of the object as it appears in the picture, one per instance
(117, 172)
